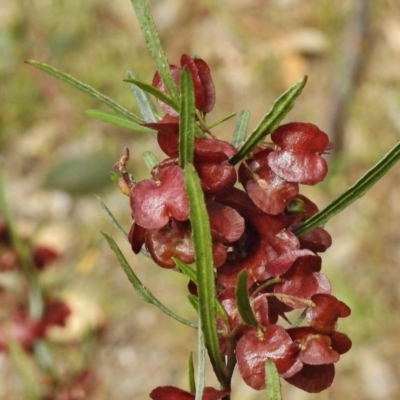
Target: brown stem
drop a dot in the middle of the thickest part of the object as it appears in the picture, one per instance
(121, 166)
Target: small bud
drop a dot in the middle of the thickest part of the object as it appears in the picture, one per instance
(124, 186)
(295, 206)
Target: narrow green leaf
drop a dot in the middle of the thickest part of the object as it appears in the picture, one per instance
(111, 217)
(192, 382)
(300, 319)
(146, 106)
(243, 301)
(353, 193)
(194, 301)
(272, 381)
(25, 367)
(205, 270)
(191, 274)
(154, 46)
(115, 175)
(116, 224)
(158, 94)
(150, 159)
(201, 364)
(187, 119)
(118, 120)
(35, 294)
(43, 358)
(186, 270)
(222, 312)
(222, 120)
(142, 290)
(83, 87)
(239, 135)
(271, 120)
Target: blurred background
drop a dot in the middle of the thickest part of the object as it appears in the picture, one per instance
(56, 158)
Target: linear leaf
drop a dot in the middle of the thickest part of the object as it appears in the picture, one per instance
(158, 94)
(192, 382)
(43, 357)
(205, 270)
(187, 119)
(272, 381)
(201, 364)
(271, 120)
(118, 120)
(111, 217)
(220, 121)
(243, 301)
(25, 367)
(117, 225)
(83, 87)
(146, 106)
(353, 193)
(150, 159)
(191, 274)
(194, 301)
(186, 269)
(239, 135)
(154, 46)
(142, 290)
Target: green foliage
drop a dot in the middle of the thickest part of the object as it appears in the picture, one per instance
(271, 120)
(26, 370)
(146, 106)
(205, 270)
(353, 193)
(118, 120)
(154, 46)
(201, 364)
(272, 381)
(187, 119)
(142, 291)
(112, 218)
(83, 87)
(150, 159)
(243, 301)
(239, 135)
(192, 382)
(158, 94)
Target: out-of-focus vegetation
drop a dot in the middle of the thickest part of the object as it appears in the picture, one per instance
(256, 49)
